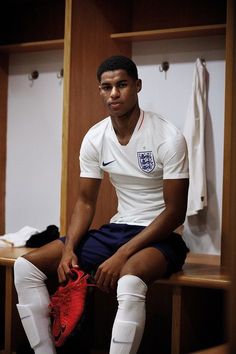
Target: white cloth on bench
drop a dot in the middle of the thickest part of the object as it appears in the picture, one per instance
(19, 238)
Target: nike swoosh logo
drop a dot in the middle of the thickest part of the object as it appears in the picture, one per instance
(119, 341)
(107, 163)
(61, 331)
(63, 328)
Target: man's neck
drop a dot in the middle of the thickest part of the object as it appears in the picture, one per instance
(124, 126)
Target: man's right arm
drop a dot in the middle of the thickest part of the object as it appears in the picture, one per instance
(81, 220)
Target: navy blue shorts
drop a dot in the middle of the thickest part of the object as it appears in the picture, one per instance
(99, 245)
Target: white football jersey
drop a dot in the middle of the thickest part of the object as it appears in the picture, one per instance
(156, 151)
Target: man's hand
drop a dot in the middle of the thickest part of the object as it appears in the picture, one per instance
(68, 261)
(108, 272)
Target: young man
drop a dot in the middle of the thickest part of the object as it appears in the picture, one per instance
(146, 159)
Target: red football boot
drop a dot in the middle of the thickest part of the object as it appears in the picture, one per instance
(67, 305)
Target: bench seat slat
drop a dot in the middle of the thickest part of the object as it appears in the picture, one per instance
(200, 271)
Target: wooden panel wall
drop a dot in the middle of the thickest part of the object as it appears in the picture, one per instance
(3, 139)
(91, 23)
(229, 206)
(229, 177)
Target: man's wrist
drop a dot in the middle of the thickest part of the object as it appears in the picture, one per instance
(124, 252)
(69, 244)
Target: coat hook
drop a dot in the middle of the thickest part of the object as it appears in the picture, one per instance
(33, 75)
(164, 66)
(60, 74)
(203, 61)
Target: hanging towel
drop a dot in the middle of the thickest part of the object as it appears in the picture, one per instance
(194, 131)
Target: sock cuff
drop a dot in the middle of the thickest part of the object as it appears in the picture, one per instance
(131, 285)
(23, 267)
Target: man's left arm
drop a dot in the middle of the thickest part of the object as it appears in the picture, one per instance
(175, 192)
(175, 196)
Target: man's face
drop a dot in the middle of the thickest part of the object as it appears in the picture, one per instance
(119, 92)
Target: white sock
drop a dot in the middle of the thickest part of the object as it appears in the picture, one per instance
(33, 303)
(130, 318)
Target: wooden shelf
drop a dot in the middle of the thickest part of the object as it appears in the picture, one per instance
(170, 33)
(32, 46)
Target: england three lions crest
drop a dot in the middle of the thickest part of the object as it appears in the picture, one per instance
(146, 161)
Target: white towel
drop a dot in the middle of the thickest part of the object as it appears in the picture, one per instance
(194, 132)
(19, 238)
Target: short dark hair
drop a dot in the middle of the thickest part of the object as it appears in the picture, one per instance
(117, 62)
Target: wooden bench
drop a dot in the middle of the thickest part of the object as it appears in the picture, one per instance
(202, 271)
(221, 349)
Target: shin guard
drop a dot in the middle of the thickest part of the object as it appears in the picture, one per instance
(130, 318)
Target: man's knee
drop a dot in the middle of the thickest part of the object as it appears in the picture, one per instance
(26, 273)
(21, 270)
(148, 264)
(132, 268)
(47, 257)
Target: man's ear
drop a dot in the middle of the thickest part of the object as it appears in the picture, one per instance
(139, 85)
(99, 89)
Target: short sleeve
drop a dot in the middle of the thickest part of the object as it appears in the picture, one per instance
(175, 158)
(89, 160)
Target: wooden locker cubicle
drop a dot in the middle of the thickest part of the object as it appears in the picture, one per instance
(24, 26)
